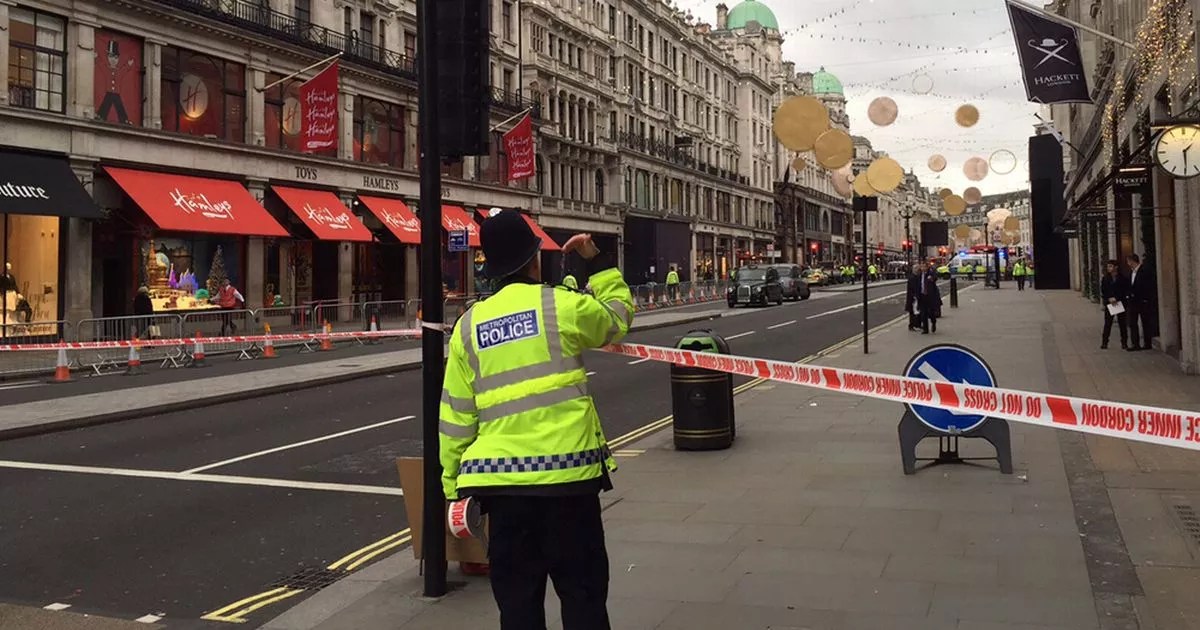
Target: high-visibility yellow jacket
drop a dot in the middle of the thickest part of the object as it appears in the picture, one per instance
(672, 277)
(570, 282)
(515, 410)
(1019, 270)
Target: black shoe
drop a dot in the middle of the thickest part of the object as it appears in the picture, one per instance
(1104, 346)
(1133, 349)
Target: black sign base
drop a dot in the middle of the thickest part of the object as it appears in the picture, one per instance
(912, 431)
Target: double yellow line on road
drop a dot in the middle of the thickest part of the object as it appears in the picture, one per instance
(237, 611)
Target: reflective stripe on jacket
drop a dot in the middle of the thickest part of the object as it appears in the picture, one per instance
(515, 409)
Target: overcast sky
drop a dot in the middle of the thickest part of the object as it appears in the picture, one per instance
(962, 48)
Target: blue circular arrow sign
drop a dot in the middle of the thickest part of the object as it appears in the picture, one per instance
(949, 363)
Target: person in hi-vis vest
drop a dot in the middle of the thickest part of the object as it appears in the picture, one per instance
(519, 431)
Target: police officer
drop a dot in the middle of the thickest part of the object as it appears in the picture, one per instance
(520, 434)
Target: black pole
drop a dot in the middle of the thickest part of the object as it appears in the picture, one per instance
(866, 326)
(434, 511)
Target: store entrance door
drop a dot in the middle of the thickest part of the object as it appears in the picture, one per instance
(325, 270)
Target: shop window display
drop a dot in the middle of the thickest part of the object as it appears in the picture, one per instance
(118, 78)
(282, 103)
(202, 95)
(184, 274)
(29, 278)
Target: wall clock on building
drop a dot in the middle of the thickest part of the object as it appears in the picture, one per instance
(1177, 150)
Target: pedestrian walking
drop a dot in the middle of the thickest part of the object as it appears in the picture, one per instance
(912, 295)
(930, 302)
(673, 284)
(143, 308)
(1114, 291)
(1018, 273)
(1140, 306)
(229, 299)
(520, 434)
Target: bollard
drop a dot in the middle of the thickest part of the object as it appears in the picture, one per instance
(953, 292)
(702, 400)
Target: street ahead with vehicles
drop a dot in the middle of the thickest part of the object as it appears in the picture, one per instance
(101, 536)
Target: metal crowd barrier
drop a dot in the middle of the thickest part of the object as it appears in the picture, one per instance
(218, 323)
(14, 363)
(163, 326)
(391, 314)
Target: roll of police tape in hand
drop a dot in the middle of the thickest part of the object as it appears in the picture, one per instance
(1155, 425)
(465, 519)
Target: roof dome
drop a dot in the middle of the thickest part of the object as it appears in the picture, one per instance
(751, 11)
(825, 83)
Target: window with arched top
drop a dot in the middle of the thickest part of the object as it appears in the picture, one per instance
(599, 186)
(540, 166)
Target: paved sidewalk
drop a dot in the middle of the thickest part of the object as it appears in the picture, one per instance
(72, 411)
(25, 618)
(808, 521)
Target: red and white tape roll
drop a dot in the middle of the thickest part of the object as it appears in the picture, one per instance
(1155, 425)
(465, 518)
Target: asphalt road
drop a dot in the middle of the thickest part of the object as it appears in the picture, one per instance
(122, 546)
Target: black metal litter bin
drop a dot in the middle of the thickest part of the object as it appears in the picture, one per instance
(702, 400)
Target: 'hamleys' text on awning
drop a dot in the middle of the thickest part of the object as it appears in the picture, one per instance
(182, 203)
(324, 214)
(396, 217)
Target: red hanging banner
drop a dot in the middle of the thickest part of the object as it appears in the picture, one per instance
(518, 146)
(319, 111)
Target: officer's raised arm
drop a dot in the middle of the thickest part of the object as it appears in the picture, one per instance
(606, 317)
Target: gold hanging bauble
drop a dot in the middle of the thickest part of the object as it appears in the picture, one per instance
(834, 149)
(885, 174)
(954, 205)
(966, 115)
(799, 121)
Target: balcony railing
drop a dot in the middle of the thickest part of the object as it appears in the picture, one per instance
(512, 100)
(675, 155)
(253, 16)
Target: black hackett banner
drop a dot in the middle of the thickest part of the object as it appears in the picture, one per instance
(1050, 59)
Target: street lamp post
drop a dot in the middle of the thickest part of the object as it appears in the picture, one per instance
(907, 214)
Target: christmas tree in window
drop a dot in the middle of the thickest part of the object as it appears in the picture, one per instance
(216, 273)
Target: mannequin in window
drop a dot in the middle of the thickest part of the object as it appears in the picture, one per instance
(12, 299)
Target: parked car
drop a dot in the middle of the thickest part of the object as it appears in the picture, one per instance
(791, 280)
(754, 284)
(814, 276)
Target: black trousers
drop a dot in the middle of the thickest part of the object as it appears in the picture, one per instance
(1141, 313)
(1020, 283)
(532, 538)
(1121, 324)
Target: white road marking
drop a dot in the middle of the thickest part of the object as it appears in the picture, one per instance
(637, 361)
(787, 323)
(854, 306)
(148, 618)
(21, 385)
(170, 475)
(739, 335)
(591, 374)
(285, 447)
(57, 606)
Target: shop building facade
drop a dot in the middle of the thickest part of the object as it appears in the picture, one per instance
(190, 155)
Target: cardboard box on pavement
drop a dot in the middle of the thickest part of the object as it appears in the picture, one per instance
(412, 481)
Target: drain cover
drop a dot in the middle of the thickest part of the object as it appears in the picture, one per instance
(1189, 520)
(308, 579)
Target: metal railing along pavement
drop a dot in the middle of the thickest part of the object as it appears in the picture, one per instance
(15, 363)
(100, 361)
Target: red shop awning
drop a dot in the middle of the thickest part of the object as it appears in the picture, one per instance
(455, 218)
(548, 243)
(324, 214)
(394, 214)
(182, 203)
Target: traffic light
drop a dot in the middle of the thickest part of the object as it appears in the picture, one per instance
(464, 92)
(905, 245)
(815, 247)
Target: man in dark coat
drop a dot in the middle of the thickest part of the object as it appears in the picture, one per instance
(1114, 292)
(911, 305)
(1140, 306)
(930, 301)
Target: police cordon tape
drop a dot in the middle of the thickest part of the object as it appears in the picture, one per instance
(1155, 425)
(191, 341)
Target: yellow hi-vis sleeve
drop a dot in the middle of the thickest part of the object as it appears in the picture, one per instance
(606, 317)
(458, 419)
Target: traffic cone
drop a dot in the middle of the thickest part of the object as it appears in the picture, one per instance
(374, 329)
(62, 367)
(326, 341)
(198, 352)
(134, 367)
(268, 347)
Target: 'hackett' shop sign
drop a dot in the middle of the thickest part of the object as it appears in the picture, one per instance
(199, 203)
(17, 191)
